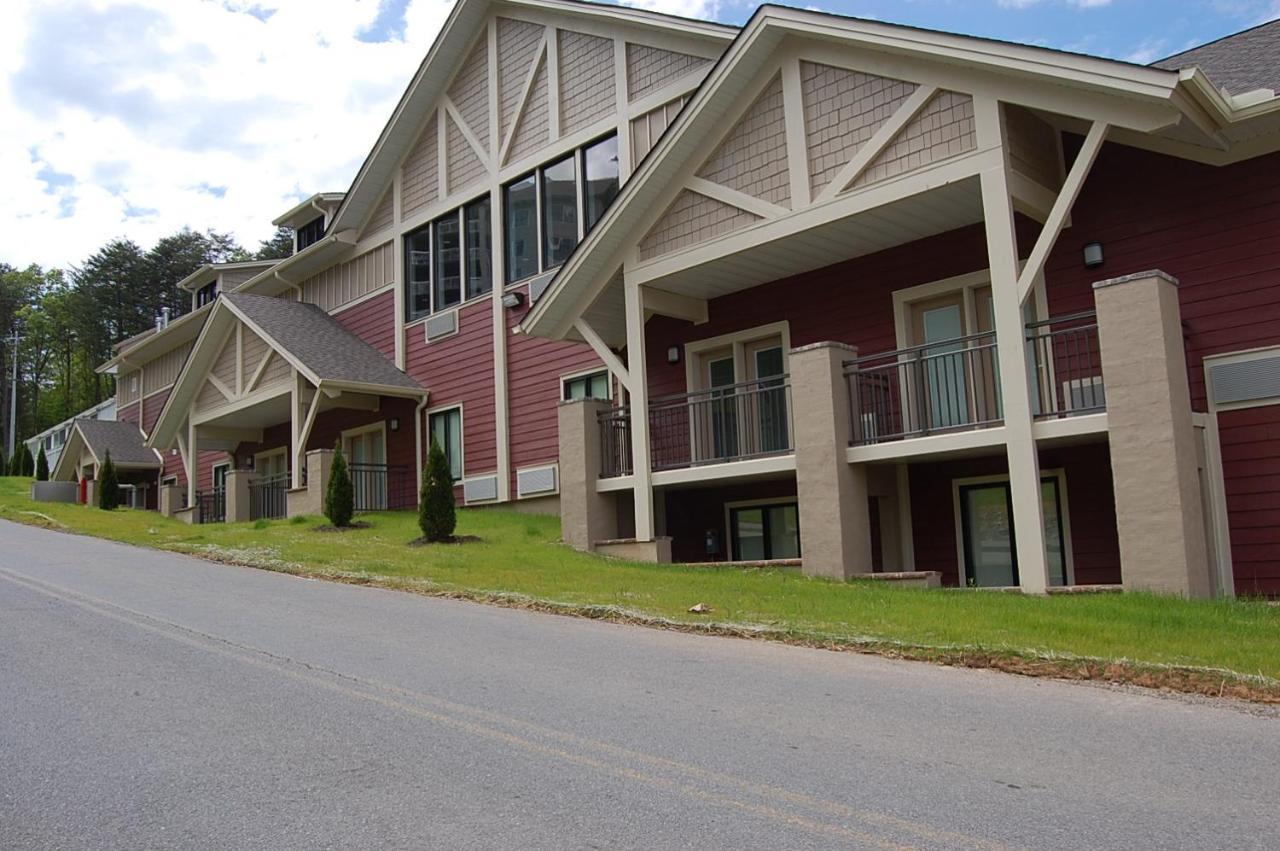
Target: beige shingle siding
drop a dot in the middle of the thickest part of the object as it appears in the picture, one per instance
(692, 218)
(254, 349)
(232, 278)
(651, 68)
(753, 158)
(944, 128)
(534, 129)
(163, 371)
(420, 182)
(209, 397)
(648, 128)
(351, 279)
(518, 43)
(587, 90)
(465, 168)
(224, 367)
(383, 215)
(1033, 147)
(278, 371)
(842, 110)
(470, 92)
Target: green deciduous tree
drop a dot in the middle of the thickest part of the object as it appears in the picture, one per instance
(436, 515)
(339, 496)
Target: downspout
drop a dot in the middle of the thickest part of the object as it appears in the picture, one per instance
(417, 440)
(322, 211)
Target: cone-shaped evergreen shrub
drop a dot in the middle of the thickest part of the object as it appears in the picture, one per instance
(28, 462)
(15, 463)
(108, 487)
(42, 466)
(339, 496)
(4, 464)
(436, 516)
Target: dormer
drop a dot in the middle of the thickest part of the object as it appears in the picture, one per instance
(208, 281)
(310, 219)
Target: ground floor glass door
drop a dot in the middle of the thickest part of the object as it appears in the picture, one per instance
(762, 532)
(989, 544)
(367, 460)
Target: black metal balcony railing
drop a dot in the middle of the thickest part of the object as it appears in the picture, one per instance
(1067, 366)
(211, 506)
(267, 497)
(952, 385)
(731, 423)
(382, 487)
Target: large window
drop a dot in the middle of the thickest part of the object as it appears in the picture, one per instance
(438, 257)
(310, 233)
(593, 386)
(763, 532)
(446, 430)
(546, 212)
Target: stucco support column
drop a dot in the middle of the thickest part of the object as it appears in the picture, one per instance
(642, 475)
(1159, 515)
(309, 500)
(169, 500)
(238, 495)
(586, 515)
(1020, 445)
(835, 526)
(91, 493)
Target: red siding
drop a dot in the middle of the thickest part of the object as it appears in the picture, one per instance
(373, 321)
(129, 413)
(459, 370)
(1090, 505)
(1251, 469)
(534, 367)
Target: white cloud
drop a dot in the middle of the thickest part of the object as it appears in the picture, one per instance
(136, 117)
(1027, 4)
(707, 10)
(1148, 51)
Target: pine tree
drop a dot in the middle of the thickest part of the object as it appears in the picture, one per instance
(436, 516)
(108, 486)
(42, 466)
(28, 463)
(339, 496)
(15, 464)
(4, 465)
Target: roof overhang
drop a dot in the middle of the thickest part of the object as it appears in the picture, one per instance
(208, 273)
(292, 271)
(1137, 100)
(75, 447)
(320, 204)
(181, 330)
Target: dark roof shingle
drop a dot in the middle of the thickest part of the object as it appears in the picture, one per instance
(123, 439)
(320, 342)
(1238, 63)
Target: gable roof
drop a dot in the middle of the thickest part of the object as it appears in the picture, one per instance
(443, 59)
(1239, 63)
(318, 344)
(124, 440)
(1133, 98)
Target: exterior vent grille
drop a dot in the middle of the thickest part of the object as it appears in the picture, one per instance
(442, 325)
(1246, 381)
(480, 490)
(539, 285)
(536, 481)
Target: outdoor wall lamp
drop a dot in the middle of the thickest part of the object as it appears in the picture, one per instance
(1093, 255)
(512, 300)
(394, 423)
(673, 354)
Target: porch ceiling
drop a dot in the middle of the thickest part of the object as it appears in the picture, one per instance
(271, 411)
(942, 209)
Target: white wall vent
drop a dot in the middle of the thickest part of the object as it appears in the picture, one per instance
(1246, 380)
(537, 481)
(482, 489)
(442, 325)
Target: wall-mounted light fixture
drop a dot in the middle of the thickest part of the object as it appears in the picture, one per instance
(1093, 255)
(673, 354)
(513, 300)
(394, 423)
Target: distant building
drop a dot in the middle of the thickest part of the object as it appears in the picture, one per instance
(54, 438)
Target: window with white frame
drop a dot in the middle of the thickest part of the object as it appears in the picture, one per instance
(546, 212)
(594, 385)
(449, 260)
(445, 428)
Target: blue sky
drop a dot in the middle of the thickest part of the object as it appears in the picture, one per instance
(136, 117)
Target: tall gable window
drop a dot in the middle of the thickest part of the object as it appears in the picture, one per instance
(546, 212)
(310, 233)
(448, 260)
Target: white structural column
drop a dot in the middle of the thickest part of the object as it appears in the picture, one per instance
(642, 476)
(1002, 255)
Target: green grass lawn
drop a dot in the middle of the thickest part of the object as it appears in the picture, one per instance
(519, 556)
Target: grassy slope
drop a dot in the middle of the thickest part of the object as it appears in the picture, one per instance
(519, 555)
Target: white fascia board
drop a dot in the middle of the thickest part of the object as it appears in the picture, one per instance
(144, 351)
(292, 218)
(307, 262)
(183, 392)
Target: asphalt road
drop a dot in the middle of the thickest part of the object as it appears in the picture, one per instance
(154, 701)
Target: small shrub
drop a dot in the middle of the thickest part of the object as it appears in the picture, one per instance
(261, 523)
(28, 462)
(108, 486)
(42, 466)
(4, 464)
(339, 496)
(15, 463)
(297, 521)
(436, 516)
